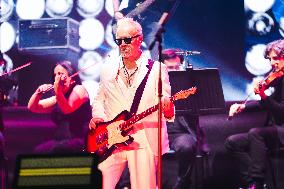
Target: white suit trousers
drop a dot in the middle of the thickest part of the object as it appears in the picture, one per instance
(142, 165)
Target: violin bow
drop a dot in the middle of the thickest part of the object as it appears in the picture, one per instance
(73, 75)
(16, 69)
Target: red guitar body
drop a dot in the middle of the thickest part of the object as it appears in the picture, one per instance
(98, 139)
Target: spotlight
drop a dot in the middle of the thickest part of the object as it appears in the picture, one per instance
(109, 36)
(6, 10)
(7, 36)
(109, 7)
(259, 5)
(89, 8)
(8, 66)
(91, 32)
(58, 8)
(255, 63)
(260, 24)
(91, 61)
(30, 9)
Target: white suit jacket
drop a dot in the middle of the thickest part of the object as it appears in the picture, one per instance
(113, 97)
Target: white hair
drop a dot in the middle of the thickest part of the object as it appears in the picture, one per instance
(129, 21)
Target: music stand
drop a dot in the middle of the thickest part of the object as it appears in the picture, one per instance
(208, 99)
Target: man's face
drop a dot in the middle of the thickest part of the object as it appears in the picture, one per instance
(276, 61)
(173, 64)
(127, 34)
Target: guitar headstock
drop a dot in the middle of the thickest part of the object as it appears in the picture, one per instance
(184, 93)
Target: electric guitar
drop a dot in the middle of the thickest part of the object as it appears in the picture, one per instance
(111, 135)
(140, 7)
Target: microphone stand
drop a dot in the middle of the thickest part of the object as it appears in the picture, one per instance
(158, 38)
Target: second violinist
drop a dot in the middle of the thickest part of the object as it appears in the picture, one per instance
(69, 107)
(250, 148)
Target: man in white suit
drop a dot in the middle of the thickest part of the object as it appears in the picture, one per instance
(119, 82)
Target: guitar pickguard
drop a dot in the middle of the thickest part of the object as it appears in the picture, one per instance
(114, 134)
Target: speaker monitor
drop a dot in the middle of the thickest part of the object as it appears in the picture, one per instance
(56, 171)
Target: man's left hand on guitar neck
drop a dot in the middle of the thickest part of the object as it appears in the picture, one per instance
(168, 108)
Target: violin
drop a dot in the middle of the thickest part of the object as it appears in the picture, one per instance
(264, 84)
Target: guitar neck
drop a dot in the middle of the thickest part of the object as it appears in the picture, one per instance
(180, 95)
(129, 123)
(140, 8)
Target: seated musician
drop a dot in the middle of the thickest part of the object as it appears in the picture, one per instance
(250, 148)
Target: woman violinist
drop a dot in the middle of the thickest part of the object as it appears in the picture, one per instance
(69, 107)
(250, 148)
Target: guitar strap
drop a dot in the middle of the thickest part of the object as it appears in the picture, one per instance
(140, 89)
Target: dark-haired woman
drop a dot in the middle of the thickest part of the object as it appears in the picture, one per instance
(69, 107)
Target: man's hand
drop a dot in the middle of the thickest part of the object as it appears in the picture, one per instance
(94, 121)
(168, 108)
(236, 108)
(259, 89)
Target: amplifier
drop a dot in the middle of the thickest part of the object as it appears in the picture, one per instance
(48, 35)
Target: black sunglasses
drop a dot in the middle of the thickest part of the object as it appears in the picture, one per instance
(126, 40)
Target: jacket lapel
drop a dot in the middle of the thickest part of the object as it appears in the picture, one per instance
(141, 73)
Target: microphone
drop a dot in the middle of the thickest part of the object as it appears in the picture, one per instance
(186, 53)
